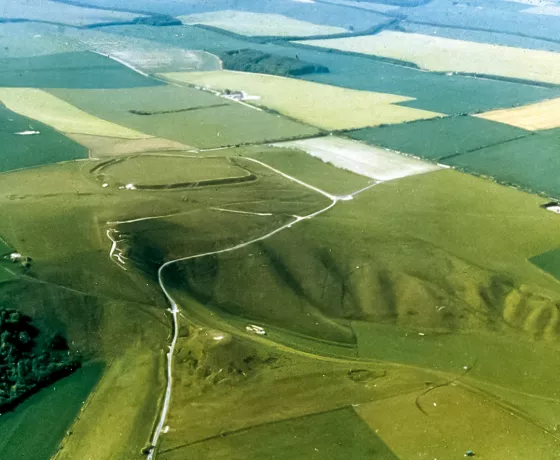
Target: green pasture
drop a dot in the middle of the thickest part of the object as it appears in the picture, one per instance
(5, 273)
(549, 262)
(306, 168)
(162, 170)
(25, 151)
(531, 163)
(439, 138)
(185, 115)
(85, 70)
(36, 427)
(508, 362)
(450, 94)
(5, 247)
(335, 435)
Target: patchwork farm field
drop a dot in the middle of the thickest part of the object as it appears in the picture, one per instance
(448, 55)
(326, 15)
(531, 163)
(481, 36)
(104, 146)
(433, 92)
(498, 16)
(327, 107)
(260, 24)
(57, 12)
(439, 138)
(375, 163)
(27, 143)
(533, 117)
(313, 171)
(184, 115)
(58, 114)
(69, 70)
(329, 435)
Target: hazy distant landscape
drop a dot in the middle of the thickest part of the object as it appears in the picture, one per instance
(284, 229)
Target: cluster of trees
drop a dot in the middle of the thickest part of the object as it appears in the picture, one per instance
(250, 60)
(28, 360)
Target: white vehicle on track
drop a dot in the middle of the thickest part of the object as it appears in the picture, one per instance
(255, 329)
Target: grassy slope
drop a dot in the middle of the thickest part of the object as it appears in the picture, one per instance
(217, 123)
(70, 70)
(393, 255)
(434, 139)
(531, 163)
(449, 94)
(26, 151)
(331, 435)
(35, 428)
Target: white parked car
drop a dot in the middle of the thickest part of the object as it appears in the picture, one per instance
(255, 329)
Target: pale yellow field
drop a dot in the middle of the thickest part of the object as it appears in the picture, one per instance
(449, 55)
(328, 107)
(260, 24)
(101, 147)
(46, 108)
(533, 117)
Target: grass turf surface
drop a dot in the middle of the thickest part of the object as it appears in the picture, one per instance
(439, 138)
(167, 169)
(335, 435)
(25, 151)
(36, 427)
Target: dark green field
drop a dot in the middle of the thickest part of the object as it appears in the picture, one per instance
(329, 436)
(36, 427)
(532, 163)
(69, 70)
(441, 137)
(33, 150)
(209, 122)
(549, 262)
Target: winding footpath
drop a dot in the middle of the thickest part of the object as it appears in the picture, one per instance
(174, 308)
